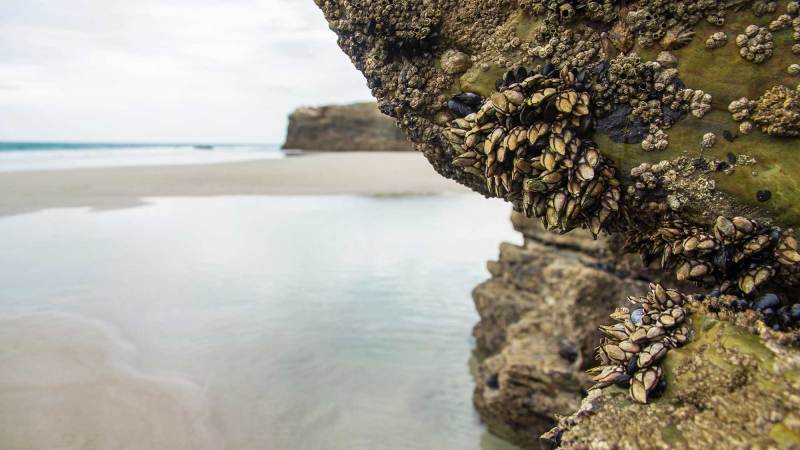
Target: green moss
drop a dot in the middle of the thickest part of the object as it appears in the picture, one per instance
(525, 26)
(727, 77)
(784, 436)
(673, 437)
(480, 81)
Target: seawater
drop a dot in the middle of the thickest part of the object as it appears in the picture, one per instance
(339, 322)
(26, 156)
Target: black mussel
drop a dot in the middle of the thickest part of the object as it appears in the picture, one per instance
(730, 137)
(740, 304)
(587, 125)
(550, 112)
(767, 301)
(493, 381)
(731, 158)
(469, 99)
(633, 365)
(549, 70)
(658, 391)
(568, 351)
(624, 381)
(775, 235)
(768, 316)
(763, 196)
(521, 74)
(783, 316)
(509, 78)
(459, 109)
(527, 115)
(700, 164)
(723, 260)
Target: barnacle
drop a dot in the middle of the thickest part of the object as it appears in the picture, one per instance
(528, 141)
(756, 44)
(633, 347)
(777, 112)
(737, 249)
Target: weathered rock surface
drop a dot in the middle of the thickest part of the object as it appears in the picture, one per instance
(539, 317)
(356, 127)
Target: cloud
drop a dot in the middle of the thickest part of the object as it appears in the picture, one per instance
(156, 70)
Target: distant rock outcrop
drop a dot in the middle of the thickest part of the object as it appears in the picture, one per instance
(356, 127)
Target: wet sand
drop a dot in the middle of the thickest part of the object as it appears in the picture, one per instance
(67, 383)
(389, 173)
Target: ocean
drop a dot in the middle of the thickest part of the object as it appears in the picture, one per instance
(25, 156)
(280, 323)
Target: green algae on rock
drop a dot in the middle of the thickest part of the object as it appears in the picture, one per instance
(726, 389)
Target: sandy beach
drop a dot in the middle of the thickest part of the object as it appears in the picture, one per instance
(55, 362)
(310, 174)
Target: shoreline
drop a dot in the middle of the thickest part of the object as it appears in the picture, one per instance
(368, 173)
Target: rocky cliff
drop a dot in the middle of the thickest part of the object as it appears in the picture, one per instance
(356, 127)
(539, 316)
(672, 125)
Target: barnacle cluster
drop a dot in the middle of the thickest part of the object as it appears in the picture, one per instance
(756, 44)
(655, 94)
(559, 11)
(656, 139)
(777, 112)
(577, 47)
(737, 254)
(708, 141)
(717, 40)
(528, 142)
(669, 22)
(791, 19)
(741, 110)
(632, 348)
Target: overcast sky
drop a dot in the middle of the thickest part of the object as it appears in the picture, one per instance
(165, 70)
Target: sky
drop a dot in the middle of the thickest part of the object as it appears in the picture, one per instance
(166, 70)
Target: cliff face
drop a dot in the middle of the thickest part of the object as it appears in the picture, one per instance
(538, 329)
(587, 114)
(357, 127)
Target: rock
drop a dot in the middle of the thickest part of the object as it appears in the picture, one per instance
(357, 127)
(539, 317)
(728, 388)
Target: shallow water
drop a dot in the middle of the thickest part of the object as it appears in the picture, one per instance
(337, 322)
(26, 156)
